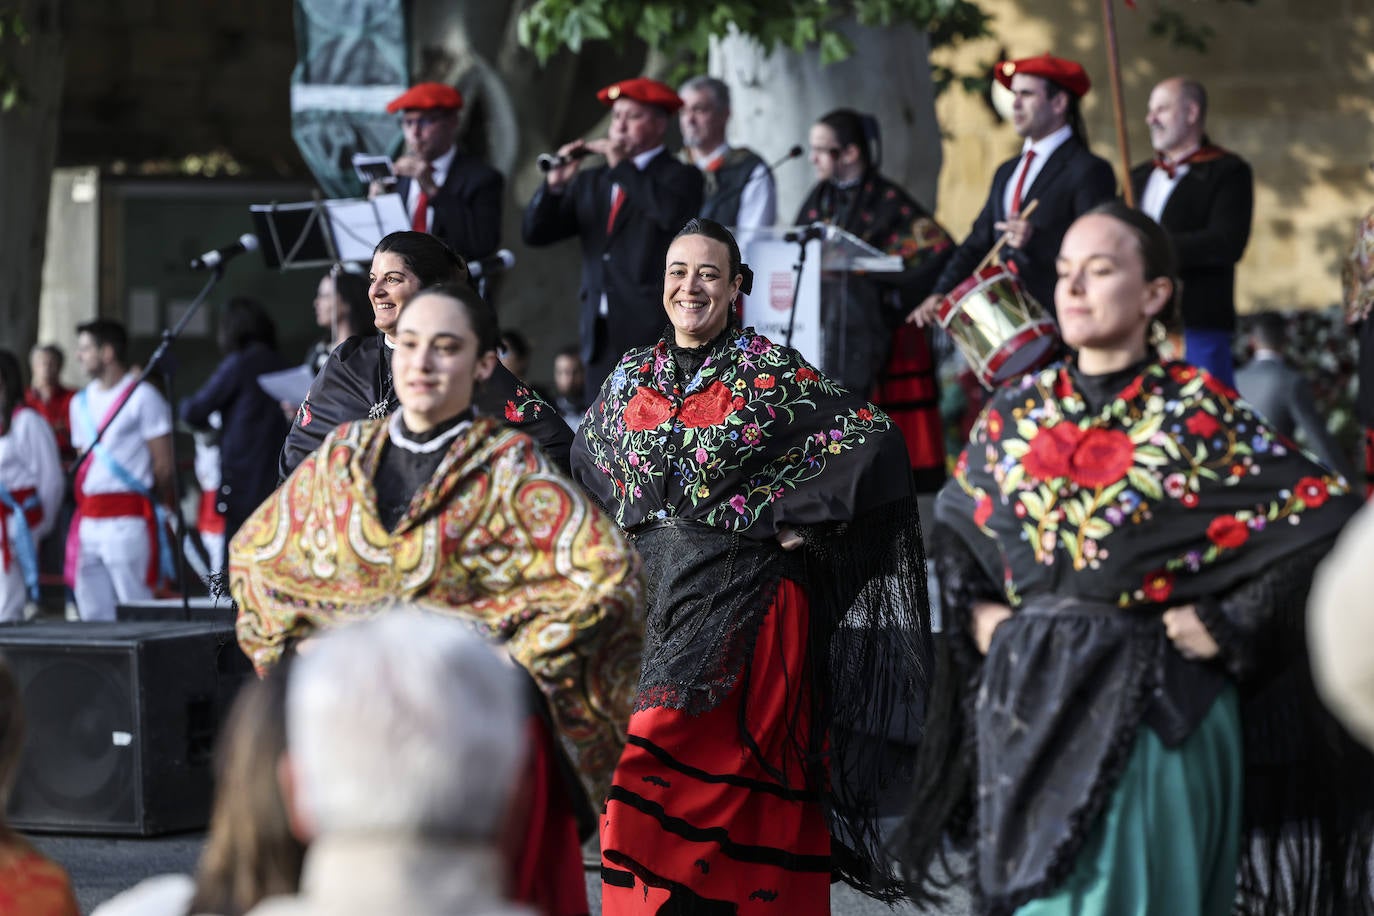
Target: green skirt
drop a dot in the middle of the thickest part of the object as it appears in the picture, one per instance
(1170, 835)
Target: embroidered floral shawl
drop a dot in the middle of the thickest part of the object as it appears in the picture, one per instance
(1176, 490)
(755, 440)
(498, 538)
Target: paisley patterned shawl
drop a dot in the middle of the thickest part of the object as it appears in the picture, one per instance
(756, 440)
(498, 538)
(1175, 491)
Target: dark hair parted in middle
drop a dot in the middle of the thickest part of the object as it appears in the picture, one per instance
(426, 257)
(481, 316)
(1156, 251)
(700, 225)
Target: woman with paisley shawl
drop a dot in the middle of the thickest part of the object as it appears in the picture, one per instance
(769, 505)
(460, 514)
(869, 349)
(1124, 553)
(356, 380)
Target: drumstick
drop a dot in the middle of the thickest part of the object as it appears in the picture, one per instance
(996, 249)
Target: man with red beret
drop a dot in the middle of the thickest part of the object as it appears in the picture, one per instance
(1055, 168)
(449, 194)
(626, 212)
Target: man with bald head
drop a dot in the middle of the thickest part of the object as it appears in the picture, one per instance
(625, 213)
(1203, 196)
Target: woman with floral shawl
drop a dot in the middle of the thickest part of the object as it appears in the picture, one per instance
(768, 505)
(1124, 554)
(461, 515)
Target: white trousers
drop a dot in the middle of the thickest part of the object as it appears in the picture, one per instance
(113, 566)
(13, 594)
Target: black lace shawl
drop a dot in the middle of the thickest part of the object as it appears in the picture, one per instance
(1060, 722)
(704, 458)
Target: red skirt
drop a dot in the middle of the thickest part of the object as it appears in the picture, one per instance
(699, 818)
(543, 851)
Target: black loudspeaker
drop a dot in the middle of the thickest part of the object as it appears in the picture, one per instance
(202, 610)
(122, 719)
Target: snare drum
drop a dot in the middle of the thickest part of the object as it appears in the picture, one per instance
(1000, 329)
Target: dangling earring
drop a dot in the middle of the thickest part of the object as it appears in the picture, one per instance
(1159, 334)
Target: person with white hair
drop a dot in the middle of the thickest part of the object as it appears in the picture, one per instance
(404, 741)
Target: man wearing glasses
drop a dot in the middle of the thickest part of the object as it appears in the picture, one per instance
(449, 194)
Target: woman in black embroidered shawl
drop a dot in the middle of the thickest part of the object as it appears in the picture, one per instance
(1124, 554)
(768, 505)
(868, 348)
(356, 382)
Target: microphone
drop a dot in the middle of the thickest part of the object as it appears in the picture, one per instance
(806, 233)
(247, 242)
(793, 153)
(492, 264)
(549, 161)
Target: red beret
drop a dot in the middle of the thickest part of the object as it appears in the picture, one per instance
(1066, 74)
(423, 96)
(641, 89)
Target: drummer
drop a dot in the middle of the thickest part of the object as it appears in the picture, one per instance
(1055, 169)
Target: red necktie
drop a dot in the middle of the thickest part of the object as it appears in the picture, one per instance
(617, 198)
(1021, 182)
(419, 220)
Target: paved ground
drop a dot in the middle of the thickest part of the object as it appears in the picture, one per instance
(101, 867)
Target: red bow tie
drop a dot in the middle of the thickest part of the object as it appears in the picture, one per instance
(1205, 153)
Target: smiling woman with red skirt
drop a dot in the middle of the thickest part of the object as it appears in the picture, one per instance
(768, 505)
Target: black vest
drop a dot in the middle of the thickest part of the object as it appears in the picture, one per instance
(725, 185)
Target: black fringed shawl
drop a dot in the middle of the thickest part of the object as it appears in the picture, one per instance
(705, 456)
(1090, 505)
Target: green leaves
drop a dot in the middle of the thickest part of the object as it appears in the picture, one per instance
(13, 30)
(683, 30)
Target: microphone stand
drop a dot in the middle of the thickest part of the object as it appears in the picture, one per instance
(153, 364)
(813, 231)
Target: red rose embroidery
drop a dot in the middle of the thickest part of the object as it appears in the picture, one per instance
(806, 375)
(737, 403)
(1217, 386)
(1132, 391)
(1101, 458)
(994, 425)
(706, 408)
(513, 413)
(1202, 424)
(1159, 585)
(647, 410)
(1182, 373)
(1051, 450)
(865, 414)
(1311, 491)
(1189, 499)
(1227, 532)
(983, 511)
(764, 381)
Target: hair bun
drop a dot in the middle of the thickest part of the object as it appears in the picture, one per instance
(746, 284)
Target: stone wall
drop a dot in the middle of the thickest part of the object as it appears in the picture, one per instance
(1291, 85)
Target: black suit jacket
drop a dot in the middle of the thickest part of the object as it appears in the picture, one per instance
(467, 209)
(1208, 217)
(1071, 182)
(627, 265)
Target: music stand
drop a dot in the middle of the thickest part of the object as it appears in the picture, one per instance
(321, 233)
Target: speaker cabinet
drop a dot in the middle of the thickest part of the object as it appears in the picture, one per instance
(122, 719)
(202, 610)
